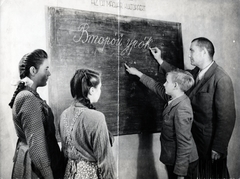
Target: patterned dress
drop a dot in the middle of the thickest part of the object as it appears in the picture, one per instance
(37, 153)
(85, 142)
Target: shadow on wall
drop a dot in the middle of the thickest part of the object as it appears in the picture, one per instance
(145, 158)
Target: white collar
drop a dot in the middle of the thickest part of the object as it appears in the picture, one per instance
(174, 99)
(202, 72)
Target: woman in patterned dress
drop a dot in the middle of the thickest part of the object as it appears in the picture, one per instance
(37, 152)
(84, 133)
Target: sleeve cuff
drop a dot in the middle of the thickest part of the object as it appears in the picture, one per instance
(47, 172)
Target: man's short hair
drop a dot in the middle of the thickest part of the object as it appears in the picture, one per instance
(204, 42)
(183, 78)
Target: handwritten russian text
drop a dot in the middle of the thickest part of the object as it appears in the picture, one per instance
(83, 36)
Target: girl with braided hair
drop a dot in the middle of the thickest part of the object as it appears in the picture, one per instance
(37, 152)
(84, 133)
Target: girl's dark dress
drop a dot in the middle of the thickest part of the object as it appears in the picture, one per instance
(37, 153)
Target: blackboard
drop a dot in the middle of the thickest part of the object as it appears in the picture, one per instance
(104, 42)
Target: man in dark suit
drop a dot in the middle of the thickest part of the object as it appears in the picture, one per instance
(212, 99)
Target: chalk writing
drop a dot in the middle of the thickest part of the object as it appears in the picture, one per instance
(136, 44)
(83, 36)
(104, 42)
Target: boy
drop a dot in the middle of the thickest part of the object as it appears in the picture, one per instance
(178, 149)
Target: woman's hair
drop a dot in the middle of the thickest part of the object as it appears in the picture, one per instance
(183, 78)
(34, 59)
(80, 84)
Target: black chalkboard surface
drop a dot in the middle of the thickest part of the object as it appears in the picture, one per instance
(104, 42)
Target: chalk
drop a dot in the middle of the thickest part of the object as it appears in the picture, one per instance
(126, 65)
(153, 49)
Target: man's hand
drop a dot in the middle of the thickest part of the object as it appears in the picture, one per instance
(133, 71)
(156, 52)
(215, 155)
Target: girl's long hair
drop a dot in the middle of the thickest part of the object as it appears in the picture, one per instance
(81, 83)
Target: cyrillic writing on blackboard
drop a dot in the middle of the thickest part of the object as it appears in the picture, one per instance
(83, 36)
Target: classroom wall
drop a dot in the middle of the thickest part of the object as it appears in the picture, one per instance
(23, 29)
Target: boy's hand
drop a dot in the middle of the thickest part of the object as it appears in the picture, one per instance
(133, 71)
(156, 52)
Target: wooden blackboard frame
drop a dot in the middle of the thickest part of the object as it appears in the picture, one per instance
(104, 42)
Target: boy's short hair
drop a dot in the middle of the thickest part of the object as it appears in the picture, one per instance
(183, 78)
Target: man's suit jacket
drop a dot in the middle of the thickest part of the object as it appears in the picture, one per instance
(178, 148)
(213, 106)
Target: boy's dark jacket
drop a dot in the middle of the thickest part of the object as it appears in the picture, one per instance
(178, 148)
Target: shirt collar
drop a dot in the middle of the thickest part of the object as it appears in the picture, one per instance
(202, 72)
(169, 102)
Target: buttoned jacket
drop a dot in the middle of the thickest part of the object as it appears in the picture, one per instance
(213, 104)
(178, 148)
